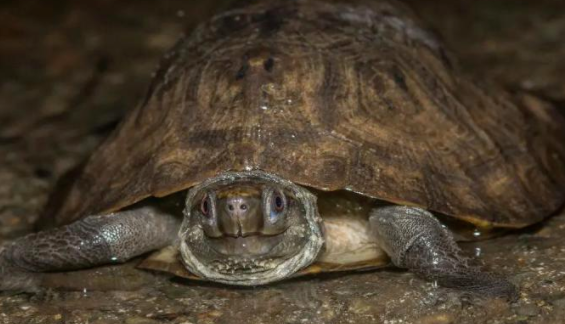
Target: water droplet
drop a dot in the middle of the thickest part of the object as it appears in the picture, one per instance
(264, 107)
(478, 251)
(114, 258)
(477, 233)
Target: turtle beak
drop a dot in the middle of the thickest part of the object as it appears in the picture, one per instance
(240, 216)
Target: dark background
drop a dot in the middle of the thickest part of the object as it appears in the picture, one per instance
(70, 69)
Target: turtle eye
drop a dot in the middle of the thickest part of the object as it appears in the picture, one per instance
(278, 202)
(205, 205)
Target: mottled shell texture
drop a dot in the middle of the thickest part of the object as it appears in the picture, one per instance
(353, 95)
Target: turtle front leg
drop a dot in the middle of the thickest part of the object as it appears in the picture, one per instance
(94, 240)
(416, 240)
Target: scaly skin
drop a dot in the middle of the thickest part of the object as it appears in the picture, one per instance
(91, 241)
(416, 240)
(413, 238)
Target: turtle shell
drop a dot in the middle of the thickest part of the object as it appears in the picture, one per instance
(354, 95)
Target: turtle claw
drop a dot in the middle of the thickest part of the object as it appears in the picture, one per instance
(416, 240)
(13, 278)
(481, 284)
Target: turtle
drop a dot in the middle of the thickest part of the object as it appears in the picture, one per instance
(282, 138)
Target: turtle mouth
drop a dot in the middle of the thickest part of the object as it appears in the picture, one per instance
(247, 255)
(243, 266)
(249, 245)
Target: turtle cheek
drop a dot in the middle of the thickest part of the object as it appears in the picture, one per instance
(274, 225)
(209, 223)
(211, 228)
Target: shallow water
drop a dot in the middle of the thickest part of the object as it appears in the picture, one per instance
(71, 69)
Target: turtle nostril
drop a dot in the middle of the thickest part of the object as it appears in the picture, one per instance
(240, 216)
(237, 206)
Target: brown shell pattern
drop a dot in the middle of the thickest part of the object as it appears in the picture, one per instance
(353, 95)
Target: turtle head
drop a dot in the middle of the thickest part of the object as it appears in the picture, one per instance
(249, 228)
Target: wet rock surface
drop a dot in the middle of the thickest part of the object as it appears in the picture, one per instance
(69, 71)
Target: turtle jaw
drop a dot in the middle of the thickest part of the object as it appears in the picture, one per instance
(276, 250)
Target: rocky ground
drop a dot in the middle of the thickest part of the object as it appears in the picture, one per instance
(69, 70)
